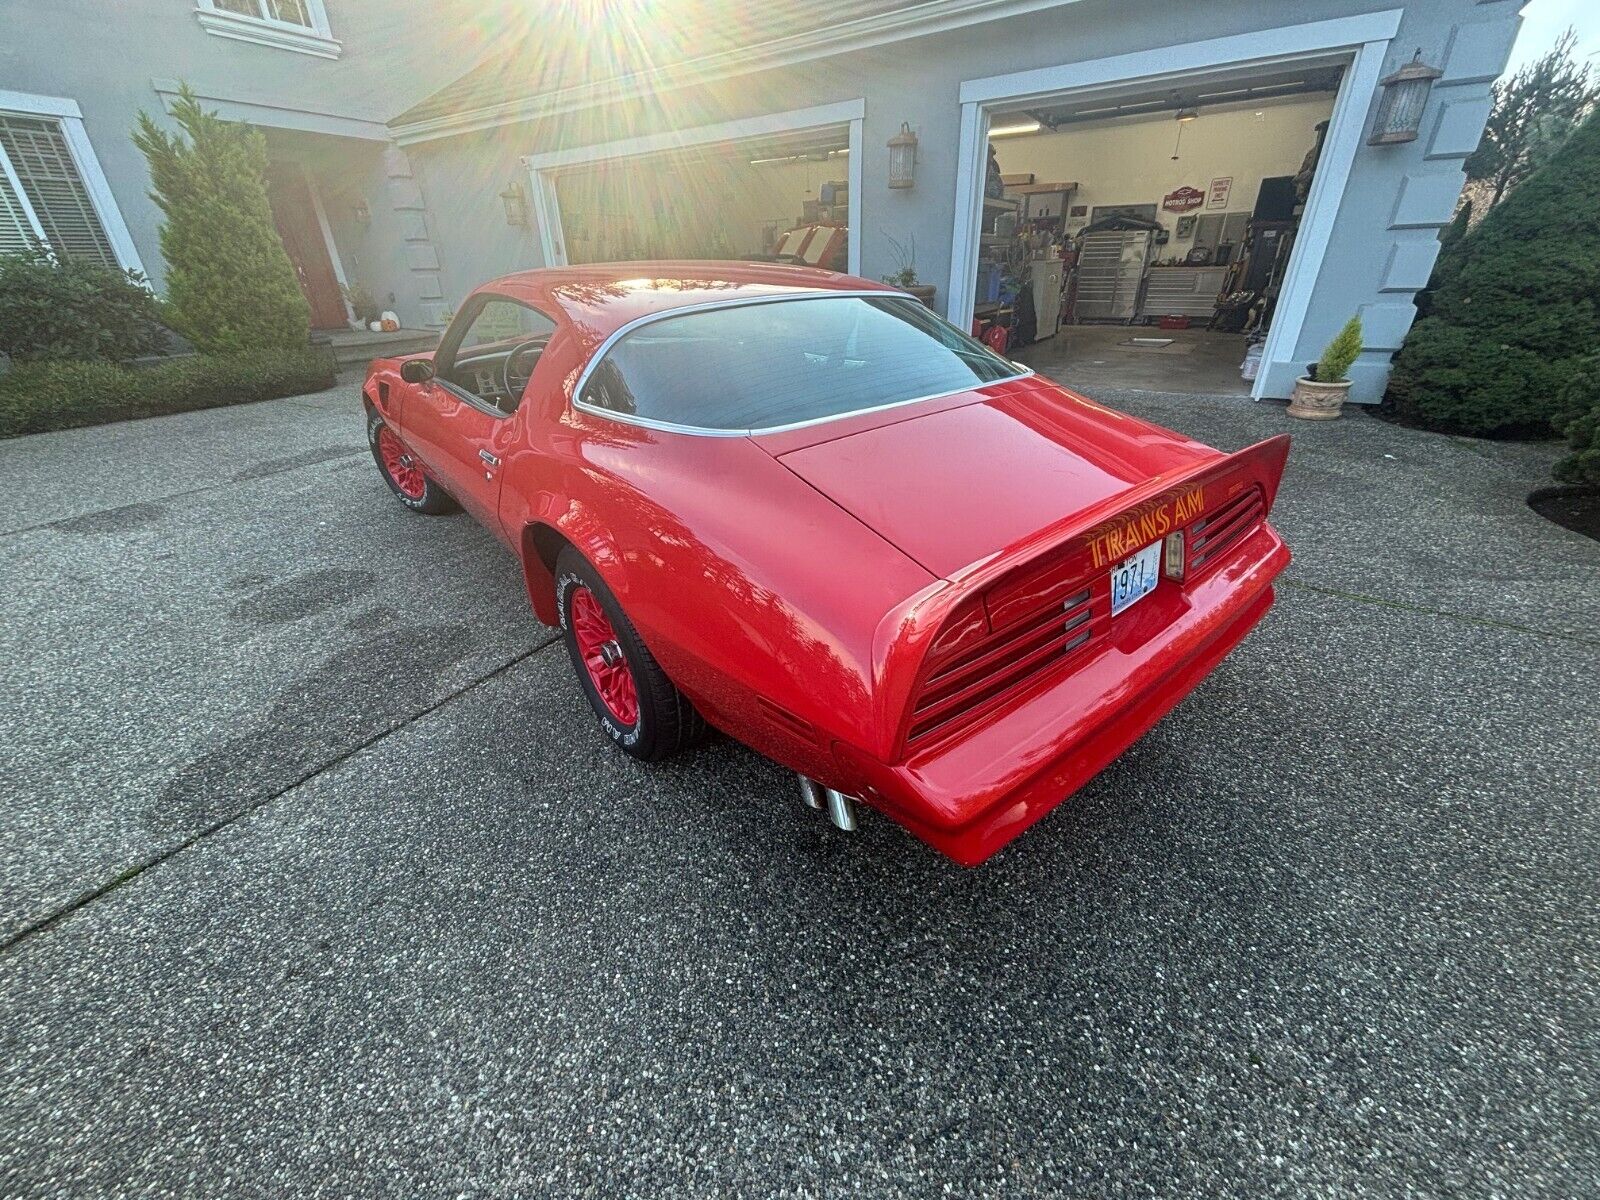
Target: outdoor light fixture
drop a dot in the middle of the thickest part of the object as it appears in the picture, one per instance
(516, 202)
(361, 212)
(1405, 95)
(1185, 116)
(903, 157)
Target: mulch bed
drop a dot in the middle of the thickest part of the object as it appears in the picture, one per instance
(1574, 508)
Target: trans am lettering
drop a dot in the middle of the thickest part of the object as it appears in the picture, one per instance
(1144, 525)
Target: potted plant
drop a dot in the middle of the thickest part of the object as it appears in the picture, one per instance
(905, 277)
(1320, 393)
(363, 304)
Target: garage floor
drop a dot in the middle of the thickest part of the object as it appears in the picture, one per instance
(1093, 357)
(316, 877)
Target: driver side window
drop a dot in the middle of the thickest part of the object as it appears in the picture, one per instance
(498, 350)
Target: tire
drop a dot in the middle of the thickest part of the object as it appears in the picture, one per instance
(637, 705)
(406, 479)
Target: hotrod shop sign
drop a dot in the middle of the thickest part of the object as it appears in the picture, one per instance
(1184, 199)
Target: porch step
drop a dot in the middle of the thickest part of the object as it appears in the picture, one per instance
(353, 349)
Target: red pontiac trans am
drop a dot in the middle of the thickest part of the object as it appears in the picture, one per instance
(800, 507)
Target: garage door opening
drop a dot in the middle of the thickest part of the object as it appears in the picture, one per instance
(1143, 240)
(780, 193)
(1194, 187)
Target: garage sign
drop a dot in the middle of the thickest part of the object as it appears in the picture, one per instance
(1182, 200)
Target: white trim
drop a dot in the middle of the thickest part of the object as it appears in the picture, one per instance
(543, 169)
(1264, 47)
(316, 40)
(666, 314)
(1346, 128)
(40, 106)
(274, 113)
(327, 240)
(920, 20)
(1364, 38)
(84, 158)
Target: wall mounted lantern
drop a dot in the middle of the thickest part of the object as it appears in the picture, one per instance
(903, 158)
(1405, 95)
(516, 202)
(361, 212)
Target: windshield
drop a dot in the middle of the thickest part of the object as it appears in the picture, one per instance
(766, 365)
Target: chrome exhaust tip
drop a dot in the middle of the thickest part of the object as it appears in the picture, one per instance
(813, 794)
(841, 809)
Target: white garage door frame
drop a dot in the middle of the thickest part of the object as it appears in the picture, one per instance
(1363, 39)
(543, 169)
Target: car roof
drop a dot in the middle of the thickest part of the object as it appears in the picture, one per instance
(599, 298)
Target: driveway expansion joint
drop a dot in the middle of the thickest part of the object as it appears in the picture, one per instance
(134, 870)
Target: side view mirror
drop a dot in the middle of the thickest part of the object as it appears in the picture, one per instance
(416, 370)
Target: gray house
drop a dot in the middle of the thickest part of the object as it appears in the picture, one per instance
(1242, 171)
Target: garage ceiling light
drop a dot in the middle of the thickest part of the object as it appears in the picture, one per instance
(1015, 128)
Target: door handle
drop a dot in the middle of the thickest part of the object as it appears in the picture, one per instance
(488, 458)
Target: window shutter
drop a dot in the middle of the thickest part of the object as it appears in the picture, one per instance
(43, 164)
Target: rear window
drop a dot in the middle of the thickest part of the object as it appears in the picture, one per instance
(765, 365)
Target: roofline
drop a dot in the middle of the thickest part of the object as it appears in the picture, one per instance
(932, 16)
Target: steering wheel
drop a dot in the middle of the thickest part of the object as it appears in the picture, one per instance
(518, 368)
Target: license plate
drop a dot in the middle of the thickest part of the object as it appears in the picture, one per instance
(1135, 578)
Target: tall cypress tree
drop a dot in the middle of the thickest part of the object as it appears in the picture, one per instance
(230, 285)
(1518, 309)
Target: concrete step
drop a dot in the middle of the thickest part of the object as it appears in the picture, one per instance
(354, 349)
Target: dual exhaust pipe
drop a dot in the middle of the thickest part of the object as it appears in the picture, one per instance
(841, 808)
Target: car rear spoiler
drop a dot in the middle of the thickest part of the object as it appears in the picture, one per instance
(1087, 540)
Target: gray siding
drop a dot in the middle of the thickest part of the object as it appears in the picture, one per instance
(1384, 237)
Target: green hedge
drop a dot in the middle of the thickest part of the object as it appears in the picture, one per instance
(75, 309)
(1514, 309)
(1580, 403)
(39, 396)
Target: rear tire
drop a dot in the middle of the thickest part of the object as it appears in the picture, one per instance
(637, 705)
(400, 470)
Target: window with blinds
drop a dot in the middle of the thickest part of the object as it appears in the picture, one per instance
(291, 12)
(17, 231)
(39, 160)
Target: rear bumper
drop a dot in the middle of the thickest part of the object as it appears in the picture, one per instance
(971, 796)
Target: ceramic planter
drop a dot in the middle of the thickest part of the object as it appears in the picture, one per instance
(1313, 401)
(923, 291)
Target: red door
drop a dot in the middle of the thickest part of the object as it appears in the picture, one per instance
(295, 215)
(461, 442)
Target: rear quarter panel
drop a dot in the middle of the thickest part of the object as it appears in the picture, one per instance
(746, 584)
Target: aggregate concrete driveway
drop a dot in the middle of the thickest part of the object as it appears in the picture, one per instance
(317, 881)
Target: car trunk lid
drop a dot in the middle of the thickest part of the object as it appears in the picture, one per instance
(960, 484)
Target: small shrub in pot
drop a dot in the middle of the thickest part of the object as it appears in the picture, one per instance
(1320, 394)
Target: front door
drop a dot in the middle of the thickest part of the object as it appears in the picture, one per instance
(460, 422)
(295, 214)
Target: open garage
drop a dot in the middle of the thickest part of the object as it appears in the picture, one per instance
(776, 191)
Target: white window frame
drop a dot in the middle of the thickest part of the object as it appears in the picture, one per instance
(1363, 39)
(84, 158)
(316, 40)
(543, 169)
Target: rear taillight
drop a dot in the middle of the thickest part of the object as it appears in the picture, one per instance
(978, 667)
(1173, 556)
(1208, 537)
